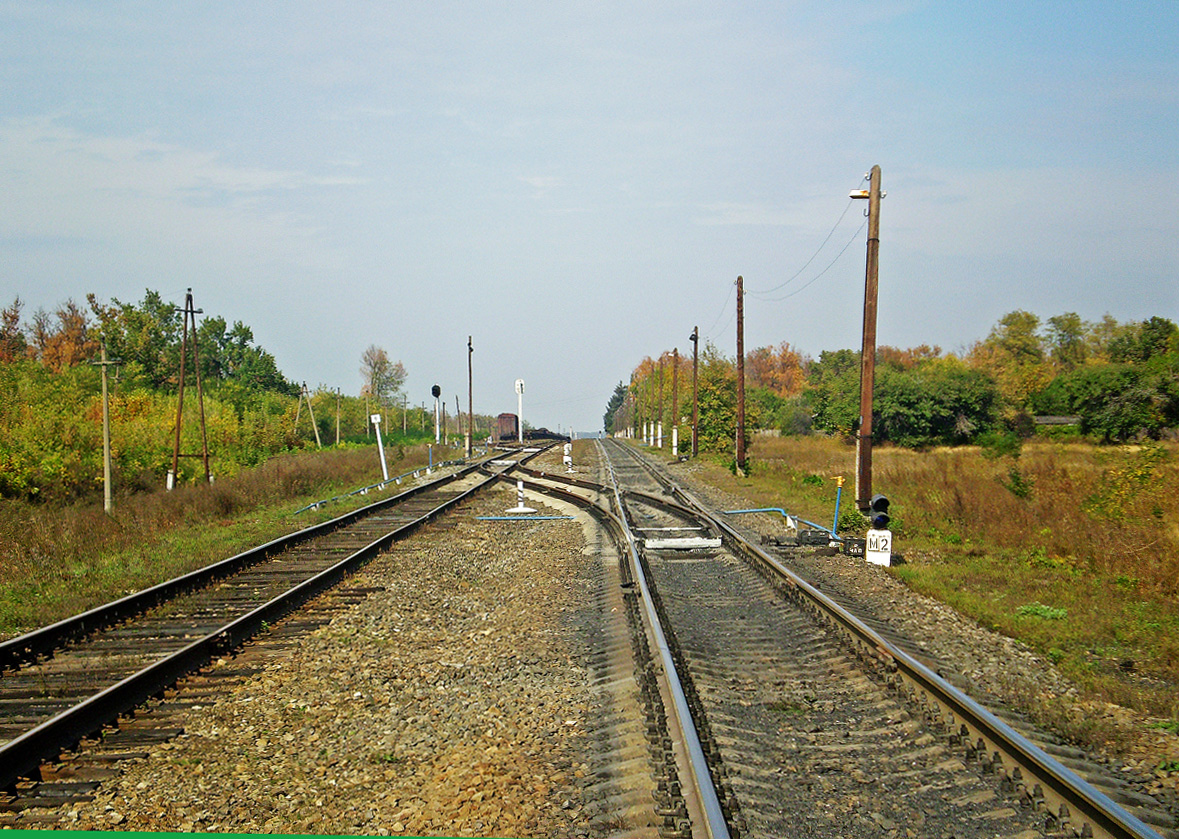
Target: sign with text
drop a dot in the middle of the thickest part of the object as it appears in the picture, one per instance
(878, 549)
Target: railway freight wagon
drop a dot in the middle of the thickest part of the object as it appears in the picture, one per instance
(508, 427)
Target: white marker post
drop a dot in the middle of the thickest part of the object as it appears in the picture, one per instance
(520, 416)
(568, 457)
(878, 547)
(376, 421)
(520, 508)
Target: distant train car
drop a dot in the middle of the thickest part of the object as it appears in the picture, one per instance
(543, 434)
(508, 427)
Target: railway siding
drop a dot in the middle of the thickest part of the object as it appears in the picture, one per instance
(457, 698)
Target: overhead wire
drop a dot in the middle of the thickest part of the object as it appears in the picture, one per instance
(712, 329)
(831, 264)
(763, 294)
(805, 265)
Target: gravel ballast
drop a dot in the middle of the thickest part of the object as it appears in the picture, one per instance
(452, 703)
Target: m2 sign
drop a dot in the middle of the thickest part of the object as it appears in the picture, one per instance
(878, 549)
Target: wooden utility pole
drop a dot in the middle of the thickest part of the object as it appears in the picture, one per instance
(868, 350)
(675, 401)
(695, 339)
(337, 417)
(470, 400)
(659, 427)
(306, 394)
(189, 316)
(740, 376)
(107, 502)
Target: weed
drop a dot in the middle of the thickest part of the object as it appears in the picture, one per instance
(812, 480)
(1018, 484)
(1126, 582)
(782, 706)
(1039, 610)
(1056, 655)
(1169, 766)
(1166, 725)
(387, 758)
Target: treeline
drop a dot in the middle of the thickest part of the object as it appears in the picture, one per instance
(51, 409)
(1104, 380)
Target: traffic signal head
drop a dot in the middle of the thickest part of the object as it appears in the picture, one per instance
(436, 391)
(878, 512)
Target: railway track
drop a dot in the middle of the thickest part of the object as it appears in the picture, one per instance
(729, 697)
(62, 683)
(814, 721)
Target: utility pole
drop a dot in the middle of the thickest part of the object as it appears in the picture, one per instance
(107, 503)
(675, 401)
(659, 427)
(306, 394)
(695, 339)
(740, 376)
(868, 350)
(189, 316)
(337, 417)
(470, 400)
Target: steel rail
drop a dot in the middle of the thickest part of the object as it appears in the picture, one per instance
(22, 756)
(710, 808)
(701, 775)
(1056, 783)
(40, 642)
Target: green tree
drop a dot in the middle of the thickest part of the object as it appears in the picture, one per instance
(1144, 341)
(146, 338)
(834, 394)
(612, 406)
(1066, 339)
(941, 401)
(13, 345)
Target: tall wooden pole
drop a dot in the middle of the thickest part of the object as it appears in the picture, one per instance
(470, 399)
(659, 427)
(868, 350)
(740, 376)
(675, 399)
(189, 316)
(695, 391)
(107, 502)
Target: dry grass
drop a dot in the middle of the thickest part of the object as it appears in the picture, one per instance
(56, 561)
(1072, 548)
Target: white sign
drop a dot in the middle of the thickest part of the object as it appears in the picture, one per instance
(878, 550)
(375, 419)
(519, 385)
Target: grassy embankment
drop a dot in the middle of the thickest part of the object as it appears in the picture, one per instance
(57, 560)
(1070, 548)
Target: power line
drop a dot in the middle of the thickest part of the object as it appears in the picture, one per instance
(809, 282)
(763, 292)
(721, 314)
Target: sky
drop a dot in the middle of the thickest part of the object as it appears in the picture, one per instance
(576, 185)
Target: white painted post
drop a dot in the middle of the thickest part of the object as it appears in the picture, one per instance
(675, 441)
(376, 421)
(520, 412)
(659, 434)
(520, 508)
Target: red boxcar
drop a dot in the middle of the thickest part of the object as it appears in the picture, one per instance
(508, 427)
